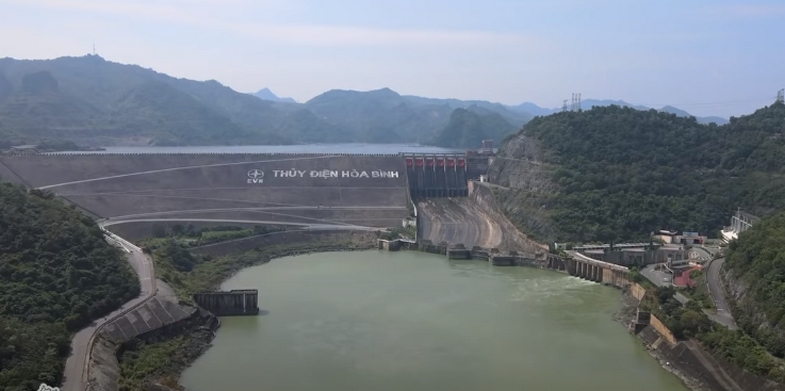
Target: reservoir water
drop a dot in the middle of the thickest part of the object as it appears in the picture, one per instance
(304, 148)
(411, 321)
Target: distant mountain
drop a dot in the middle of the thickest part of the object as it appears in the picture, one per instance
(386, 116)
(266, 94)
(702, 120)
(468, 127)
(93, 102)
(533, 109)
(677, 112)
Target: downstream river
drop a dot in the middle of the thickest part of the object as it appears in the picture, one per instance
(417, 322)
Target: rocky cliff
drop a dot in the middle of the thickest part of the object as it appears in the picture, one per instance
(524, 187)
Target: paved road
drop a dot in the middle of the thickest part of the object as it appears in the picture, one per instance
(75, 366)
(657, 277)
(723, 315)
(322, 225)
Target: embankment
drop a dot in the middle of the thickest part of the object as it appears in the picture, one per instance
(263, 188)
(690, 361)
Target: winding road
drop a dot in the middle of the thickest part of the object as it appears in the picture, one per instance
(723, 315)
(75, 374)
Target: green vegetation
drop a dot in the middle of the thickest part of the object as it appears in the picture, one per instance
(409, 232)
(190, 236)
(139, 361)
(57, 273)
(615, 173)
(188, 273)
(467, 128)
(757, 260)
(691, 322)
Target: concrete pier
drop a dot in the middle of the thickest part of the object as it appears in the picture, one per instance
(235, 302)
(459, 252)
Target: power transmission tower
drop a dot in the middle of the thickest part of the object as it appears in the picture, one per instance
(564, 106)
(575, 104)
(781, 96)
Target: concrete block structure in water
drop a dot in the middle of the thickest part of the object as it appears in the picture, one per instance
(235, 302)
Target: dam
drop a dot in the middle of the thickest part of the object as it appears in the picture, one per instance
(129, 192)
(286, 189)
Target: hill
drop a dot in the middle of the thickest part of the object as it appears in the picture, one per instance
(468, 127)
(57, 273)
(95, 102)
(757, 266)
(384, 116)
(266, 94)
(614, 173)
(528, 107)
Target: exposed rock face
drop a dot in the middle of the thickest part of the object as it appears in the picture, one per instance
(527, 187)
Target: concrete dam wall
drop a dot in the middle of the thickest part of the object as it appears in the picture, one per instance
(437, 176)
(308, 190)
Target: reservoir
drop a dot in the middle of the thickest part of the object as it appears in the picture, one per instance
(412, 321)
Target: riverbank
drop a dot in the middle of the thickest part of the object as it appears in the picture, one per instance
(648, 337)
(157, 366)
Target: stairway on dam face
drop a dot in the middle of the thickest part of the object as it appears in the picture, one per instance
(300, 189)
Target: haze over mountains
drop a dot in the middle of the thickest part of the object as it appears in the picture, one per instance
(95, 102)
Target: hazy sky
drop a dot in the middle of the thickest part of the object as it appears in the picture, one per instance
(708, 57)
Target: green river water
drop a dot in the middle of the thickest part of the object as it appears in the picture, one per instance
(411, 321)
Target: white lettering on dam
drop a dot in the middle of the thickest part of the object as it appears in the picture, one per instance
(327, 174)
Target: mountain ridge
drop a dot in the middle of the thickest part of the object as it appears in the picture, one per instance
(84, 100)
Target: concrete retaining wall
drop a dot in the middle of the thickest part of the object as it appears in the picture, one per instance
(663, 330)
(637, 291)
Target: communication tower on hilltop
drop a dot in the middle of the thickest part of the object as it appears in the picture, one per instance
(781, 96)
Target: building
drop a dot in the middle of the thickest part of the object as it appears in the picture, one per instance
(686, 238)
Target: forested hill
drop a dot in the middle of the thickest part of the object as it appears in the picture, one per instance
(56, 274)
(615, 173)
(757, 260)
(468, 127)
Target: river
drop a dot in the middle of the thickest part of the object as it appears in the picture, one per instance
(412, 321)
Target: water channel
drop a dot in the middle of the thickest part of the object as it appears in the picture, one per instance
(412, 321)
